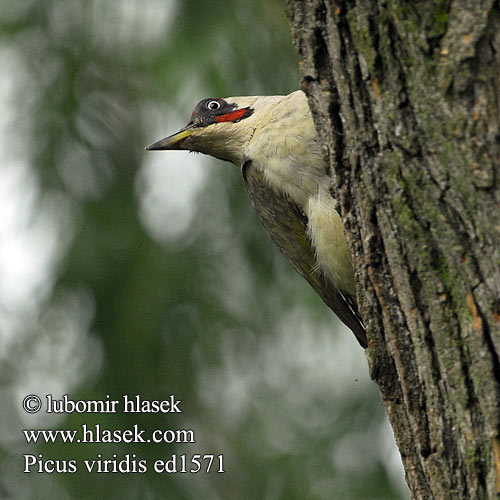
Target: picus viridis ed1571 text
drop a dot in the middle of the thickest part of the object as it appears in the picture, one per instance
(274, 141)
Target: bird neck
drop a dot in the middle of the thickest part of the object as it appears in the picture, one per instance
(226, 142)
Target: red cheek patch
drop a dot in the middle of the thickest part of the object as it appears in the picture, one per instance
(232, 116)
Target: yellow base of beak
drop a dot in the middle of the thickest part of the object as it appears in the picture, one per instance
(172, 141)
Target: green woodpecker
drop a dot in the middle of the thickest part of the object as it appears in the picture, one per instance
(274, 141)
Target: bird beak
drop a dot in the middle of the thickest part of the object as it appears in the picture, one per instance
(172, 141)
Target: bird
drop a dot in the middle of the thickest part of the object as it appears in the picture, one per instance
(273, 140)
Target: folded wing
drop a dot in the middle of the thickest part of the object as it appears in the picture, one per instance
(286, 225)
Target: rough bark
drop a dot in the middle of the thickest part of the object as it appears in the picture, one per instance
(405, 96)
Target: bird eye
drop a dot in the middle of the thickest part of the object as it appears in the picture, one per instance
(213, 105)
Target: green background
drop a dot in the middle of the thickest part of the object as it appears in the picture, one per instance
(133, 272)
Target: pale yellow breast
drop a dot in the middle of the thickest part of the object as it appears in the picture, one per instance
(289, 153)
(287, 147)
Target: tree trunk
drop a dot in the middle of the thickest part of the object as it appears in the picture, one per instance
(405, 96)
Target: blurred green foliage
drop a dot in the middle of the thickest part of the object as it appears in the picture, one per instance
(130, 305)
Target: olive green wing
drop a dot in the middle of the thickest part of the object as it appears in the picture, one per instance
(286, 225)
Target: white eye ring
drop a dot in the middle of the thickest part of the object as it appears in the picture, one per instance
(213, 105)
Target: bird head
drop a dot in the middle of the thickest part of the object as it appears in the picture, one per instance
(217, 127)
